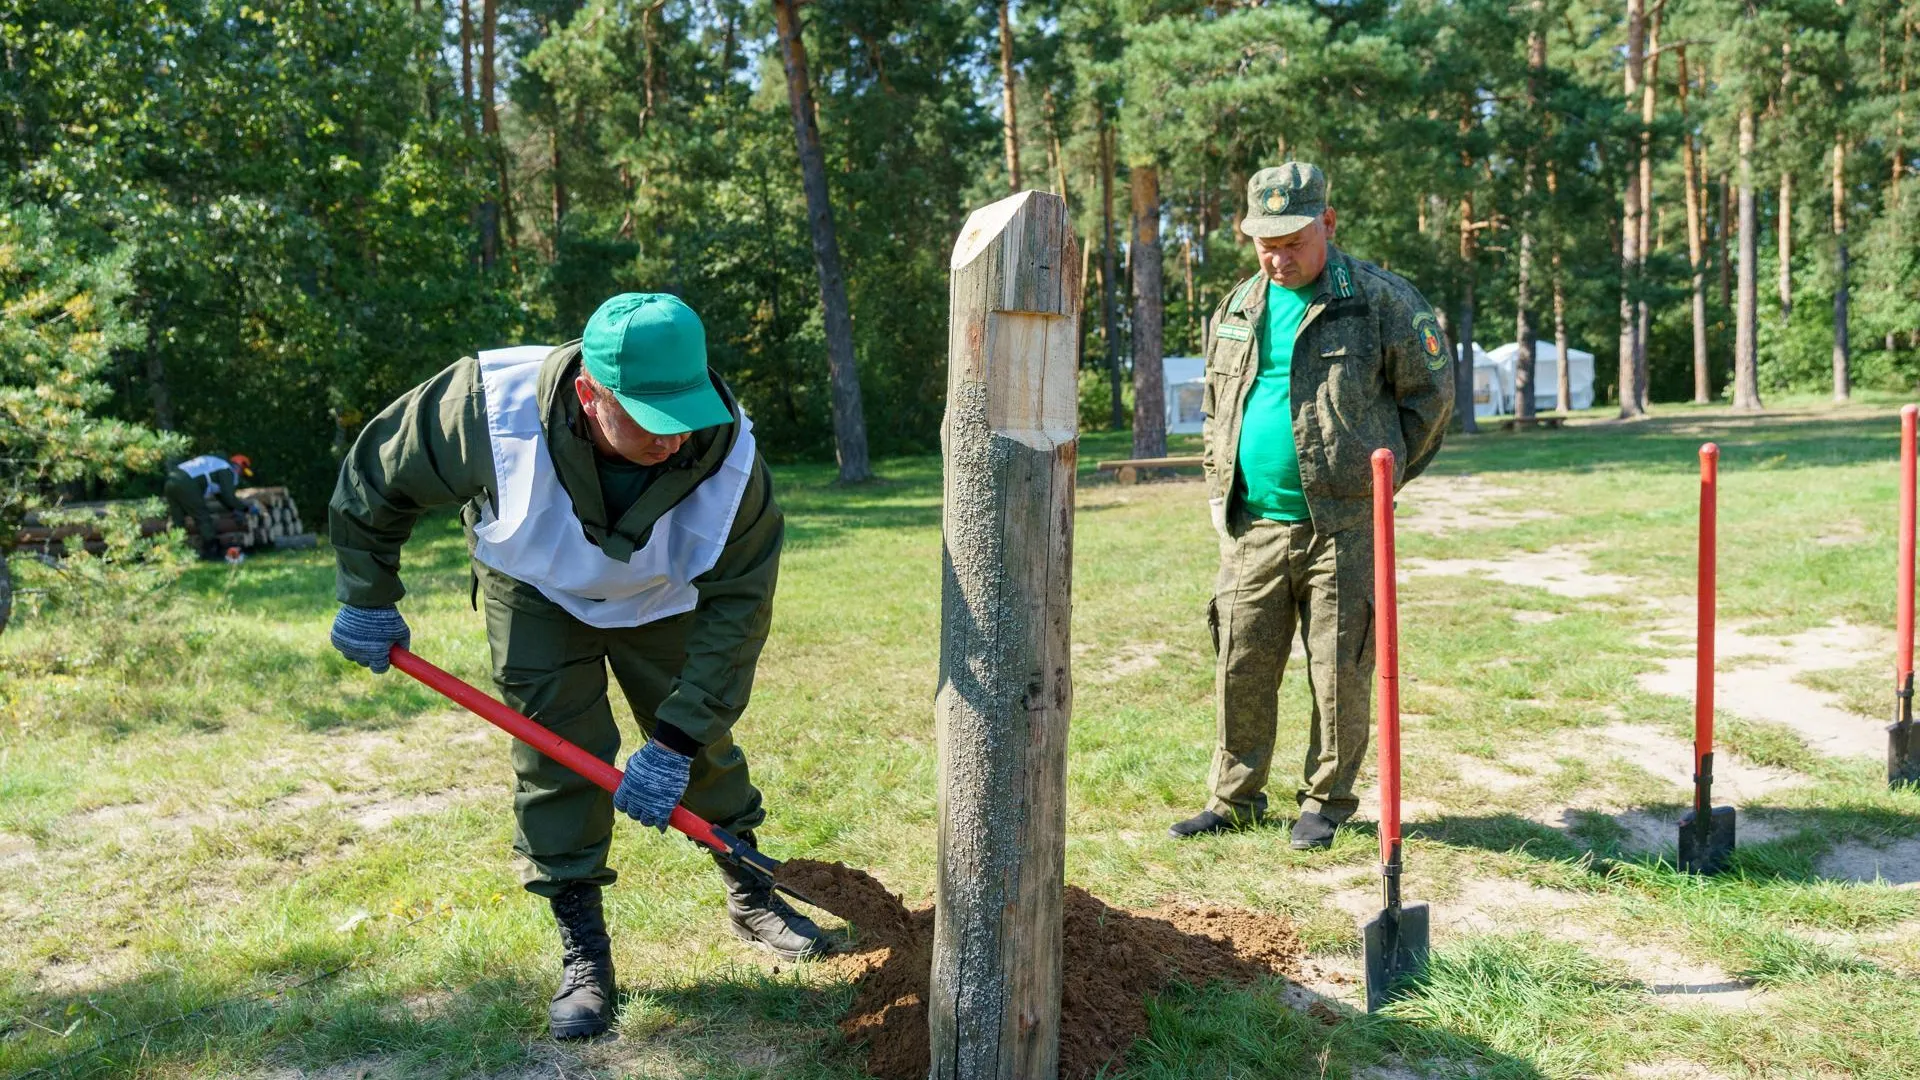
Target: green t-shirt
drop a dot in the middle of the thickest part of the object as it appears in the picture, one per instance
(1269, 477)
(621, 484)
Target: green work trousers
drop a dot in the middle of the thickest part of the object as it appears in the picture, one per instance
(1276, 577)
(186, 498)
(553, 667)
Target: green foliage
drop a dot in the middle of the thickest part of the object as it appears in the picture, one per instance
(298, 191)
(120, 585)
(61, 317)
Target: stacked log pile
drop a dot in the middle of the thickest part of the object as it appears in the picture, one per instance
(278, 526)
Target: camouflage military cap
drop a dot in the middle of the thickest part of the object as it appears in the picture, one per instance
(1284, 200)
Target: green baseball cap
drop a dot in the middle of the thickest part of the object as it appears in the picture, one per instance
(1283, 200)
(651, 351)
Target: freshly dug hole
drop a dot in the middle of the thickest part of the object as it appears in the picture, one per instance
(1113, 959)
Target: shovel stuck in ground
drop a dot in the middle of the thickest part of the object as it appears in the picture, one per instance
(1903, 742)
(1396, 939)
(1706, 831)
(722, 842)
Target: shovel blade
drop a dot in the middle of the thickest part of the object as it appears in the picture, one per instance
(1903, 754)
(1709, 854)
(1396, 944)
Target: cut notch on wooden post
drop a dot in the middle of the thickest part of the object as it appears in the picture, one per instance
(1005, 693)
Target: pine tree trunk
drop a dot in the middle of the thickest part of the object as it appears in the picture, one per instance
(1842, 352)
(1523, 369)
(1783, 231)
(1108, 271)
(1463, 373)
(6, 592)
(1056, 160)
(849, 419)
(491, 208)
(157, 388)
(1643, 318)
(1629, 368)
(559, 184)
(1899, 148)
(1696, 244)
(1726, 243)
(1194, 344)
(429, 100)
(1746, 347)
(1463, 387)
(466, 64)
(1564, 369)
(1009, 114)
(1149, 316)
(1523, 362)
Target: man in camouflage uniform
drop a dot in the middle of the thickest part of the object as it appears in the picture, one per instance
(619, 517)
(1313, 364)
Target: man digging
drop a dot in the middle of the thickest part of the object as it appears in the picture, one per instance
(1313, 364)
(619, 516)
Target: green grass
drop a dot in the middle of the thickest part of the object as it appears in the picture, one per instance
(248, 856)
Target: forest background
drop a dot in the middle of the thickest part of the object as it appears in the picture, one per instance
(247, 226)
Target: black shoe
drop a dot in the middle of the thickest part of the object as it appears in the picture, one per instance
(1313, 831)
(758, 914)
(583, 1006)
(1206, 821)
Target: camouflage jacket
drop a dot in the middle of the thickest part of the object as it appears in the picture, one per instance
(1370, 369)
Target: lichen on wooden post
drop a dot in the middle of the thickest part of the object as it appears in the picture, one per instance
(1005, 696)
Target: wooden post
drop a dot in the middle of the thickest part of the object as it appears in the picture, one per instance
(1005, 682)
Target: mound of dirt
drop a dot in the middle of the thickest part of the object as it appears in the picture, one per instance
(1113, 960)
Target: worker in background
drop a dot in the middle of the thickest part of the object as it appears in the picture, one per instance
(210, 476)
(1313, 363)
(619, 516)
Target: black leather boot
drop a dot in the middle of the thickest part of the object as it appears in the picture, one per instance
(760, 915)
(583, 1006)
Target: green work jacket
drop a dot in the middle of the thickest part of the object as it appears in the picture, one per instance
(1370, 369)
(431, 448)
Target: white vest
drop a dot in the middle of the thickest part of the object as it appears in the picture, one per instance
(530, 531)
(203, 467)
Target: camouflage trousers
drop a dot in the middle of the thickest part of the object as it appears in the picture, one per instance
(553, 667)
(1277, 577)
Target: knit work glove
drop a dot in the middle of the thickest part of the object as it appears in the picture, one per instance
(655, 779)
(363, 635)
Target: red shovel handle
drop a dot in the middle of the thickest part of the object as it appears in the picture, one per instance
(541, 739)
(1386, 650)
(1703, 643)
(1903, 644)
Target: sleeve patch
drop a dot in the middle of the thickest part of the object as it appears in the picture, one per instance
(1427, 329)
(1232, 332)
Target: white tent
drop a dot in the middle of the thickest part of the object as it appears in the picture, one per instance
(1491, 394)
(1185, 379)
(1546, 374)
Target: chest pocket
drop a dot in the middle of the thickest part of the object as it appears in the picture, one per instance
(1227, 364)
(1232, 346)
(1342, 347)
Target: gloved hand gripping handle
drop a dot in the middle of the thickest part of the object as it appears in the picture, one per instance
(566, 753)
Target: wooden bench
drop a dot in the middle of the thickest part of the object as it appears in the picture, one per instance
(1510, 424)
(1128, 471)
